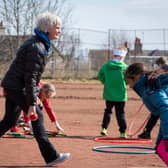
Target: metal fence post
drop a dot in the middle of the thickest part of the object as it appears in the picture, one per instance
(109, 43)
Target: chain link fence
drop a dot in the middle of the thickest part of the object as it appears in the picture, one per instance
(80, 52)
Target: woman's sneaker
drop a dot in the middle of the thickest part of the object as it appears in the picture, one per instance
(62, 157)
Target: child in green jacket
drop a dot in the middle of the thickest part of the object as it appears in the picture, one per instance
(115, 95)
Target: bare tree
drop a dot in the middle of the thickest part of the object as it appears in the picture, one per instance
(19, 16)
(118, 38)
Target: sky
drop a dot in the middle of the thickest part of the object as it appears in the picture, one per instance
(139, 15)
(120, 14)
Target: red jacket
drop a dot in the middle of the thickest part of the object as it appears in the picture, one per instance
(49, 110)
(48, 107)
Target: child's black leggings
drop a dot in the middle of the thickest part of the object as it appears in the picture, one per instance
(120, 115)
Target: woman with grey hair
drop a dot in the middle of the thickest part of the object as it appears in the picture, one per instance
(20, 84)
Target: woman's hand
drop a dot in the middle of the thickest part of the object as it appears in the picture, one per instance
(32, 113)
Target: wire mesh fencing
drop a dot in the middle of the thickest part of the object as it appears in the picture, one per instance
(79, 53)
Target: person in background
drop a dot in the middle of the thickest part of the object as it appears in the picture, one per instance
(161, 63)
(114, 93)
(21, 80)
(48, 91)
(153, 89)
(128, 49)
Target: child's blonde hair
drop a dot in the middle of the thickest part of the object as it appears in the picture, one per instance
(49, 88)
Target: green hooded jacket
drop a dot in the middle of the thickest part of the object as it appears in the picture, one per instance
(111, 74)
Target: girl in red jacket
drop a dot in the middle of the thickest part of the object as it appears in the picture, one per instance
(47, 91)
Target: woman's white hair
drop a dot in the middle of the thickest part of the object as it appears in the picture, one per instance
(46, 20)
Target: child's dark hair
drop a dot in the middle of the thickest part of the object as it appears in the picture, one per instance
(135, 69)
(140, 69)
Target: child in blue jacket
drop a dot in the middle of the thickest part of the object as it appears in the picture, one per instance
(152, 87)
(161, 63)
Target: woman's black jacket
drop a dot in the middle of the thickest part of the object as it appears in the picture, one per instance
(26, 69)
